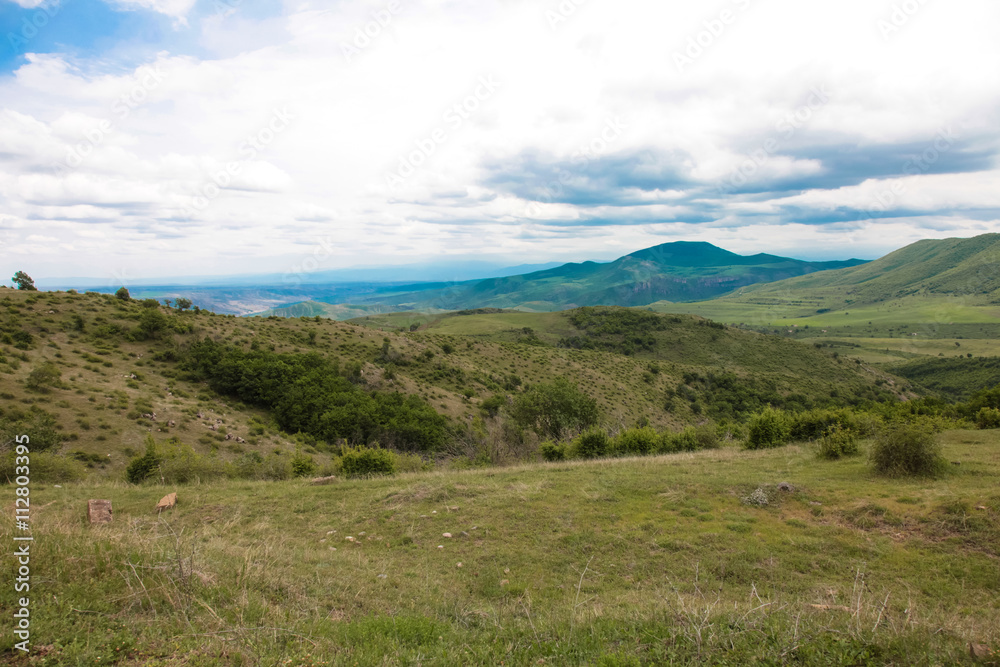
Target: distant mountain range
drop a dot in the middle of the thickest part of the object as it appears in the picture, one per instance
(678, 271)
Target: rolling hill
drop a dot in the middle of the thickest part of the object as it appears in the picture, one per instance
(678, 271)
(960, 272)
(96, 374)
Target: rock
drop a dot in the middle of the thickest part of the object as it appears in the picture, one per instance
(445, 534)
(785, 486)
(324, 480)
(166, 502)
(980, 651)
(99, 511)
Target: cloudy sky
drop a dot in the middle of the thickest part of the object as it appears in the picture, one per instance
(147, 138)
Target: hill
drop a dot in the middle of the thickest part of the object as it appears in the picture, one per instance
(93, 375)
(944, 275)
(678, 271)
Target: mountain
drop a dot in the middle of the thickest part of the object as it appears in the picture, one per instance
(678, 271)
(933, 269)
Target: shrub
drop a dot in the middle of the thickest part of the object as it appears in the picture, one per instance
(592, 444)
(43, 377)
(552, 451)
(554, 408)
(366, 461)
(45, 467)
(769, 428)
(141, 467)
(906, 450)
(838, 442)
(302, 465)
(988, 418)
(635, 442)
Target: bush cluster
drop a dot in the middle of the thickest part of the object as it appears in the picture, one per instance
(907, 450)
(364, 461)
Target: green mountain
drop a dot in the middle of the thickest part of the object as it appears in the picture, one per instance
(947, 268)
(678, 271)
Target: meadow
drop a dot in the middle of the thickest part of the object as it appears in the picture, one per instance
(610, 562)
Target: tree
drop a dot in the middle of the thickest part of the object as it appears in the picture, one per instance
(555, 408)
(24, 281)
(182, 303)
(167, 302)
(44, 376)
(123, 294)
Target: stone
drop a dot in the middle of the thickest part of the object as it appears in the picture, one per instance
(324, 480)
(166, 502)
(980, 651)
(785, 486)
(99, 511)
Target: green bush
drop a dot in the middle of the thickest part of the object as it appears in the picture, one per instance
(691, 439)
(838, 442)
(44, 467)
(180, 464)
(592, 444)
(769, 428)
(988, 418)
(635, 442)
(43, 377)
(366, 461)
(142, 467)
(303, 465)
(907, 450)
(552, 451)
(555, 408)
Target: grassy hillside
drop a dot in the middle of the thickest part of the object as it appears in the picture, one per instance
(679, 271)
(100, 374)
(659, 560)
(955, 280)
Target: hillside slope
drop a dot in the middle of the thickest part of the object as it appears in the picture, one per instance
(96, 375)
(947, 268)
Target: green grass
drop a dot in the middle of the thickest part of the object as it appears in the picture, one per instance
(634, 561)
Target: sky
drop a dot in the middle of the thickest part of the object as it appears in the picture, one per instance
(153, 138)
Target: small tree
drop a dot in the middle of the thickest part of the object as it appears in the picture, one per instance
(43, 377)
(24, 281)
(123, 294)
(182, 303)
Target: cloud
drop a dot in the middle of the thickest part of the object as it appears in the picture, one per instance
(587, 141)
(175, 9)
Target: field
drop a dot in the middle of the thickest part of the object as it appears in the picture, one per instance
(634, 561)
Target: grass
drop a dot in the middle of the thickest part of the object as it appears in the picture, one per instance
(634, 561)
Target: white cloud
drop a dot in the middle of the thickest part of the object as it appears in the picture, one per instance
(138, 145)
(175, 9)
